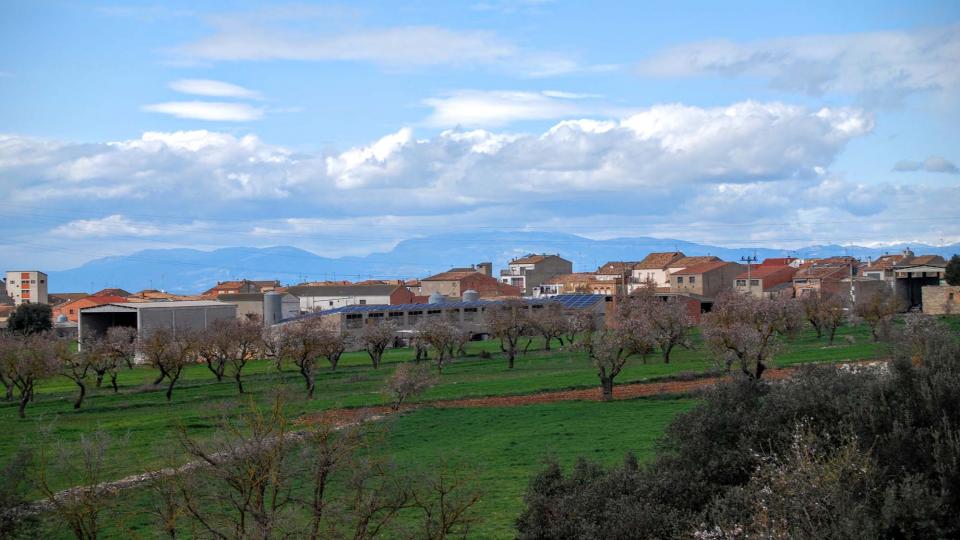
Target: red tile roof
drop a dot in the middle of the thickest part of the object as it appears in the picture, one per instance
(451, 275)
(529, 259)
(660, 260)
(781, 261)
(762, 272)
(702, 268)
(823, 272)
(617, 267)
(686, 262)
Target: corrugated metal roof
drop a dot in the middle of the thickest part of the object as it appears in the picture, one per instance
(134, 306)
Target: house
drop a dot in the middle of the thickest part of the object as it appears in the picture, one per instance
(5, 312)
(655, 268)
(153, 295)
(576, 283)
(325, 297)
(55, 299)
(27, 287)
(766, 281)
(527, 273)
(241, 287)
(706, 280)
(816, 279)
(71, 310)
(454, 282)
(253, 306)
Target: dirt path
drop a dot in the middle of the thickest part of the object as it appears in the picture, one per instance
(337, 417)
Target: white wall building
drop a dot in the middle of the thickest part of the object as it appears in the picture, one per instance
(27, 287)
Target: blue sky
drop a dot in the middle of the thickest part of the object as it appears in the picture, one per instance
(344, 128)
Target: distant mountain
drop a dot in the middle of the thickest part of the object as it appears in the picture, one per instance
(193, 271)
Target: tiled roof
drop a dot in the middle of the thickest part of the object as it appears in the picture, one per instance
(111, 292)
(685, 262)
(778, 261)
(576, 277)
(822, 272)
(529, 259)
(659, 261)
(451, 275)
(923, 260)
(380, 289)
(617, 267)
(702, 268)
(885, 262)
(761, 272)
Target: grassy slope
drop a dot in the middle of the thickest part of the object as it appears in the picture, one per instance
(141, 420)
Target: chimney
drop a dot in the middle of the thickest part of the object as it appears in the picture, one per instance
(485, 268)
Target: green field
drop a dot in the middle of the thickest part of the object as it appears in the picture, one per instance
(507, 445)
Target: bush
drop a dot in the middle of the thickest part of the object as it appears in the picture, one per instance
(876, 455)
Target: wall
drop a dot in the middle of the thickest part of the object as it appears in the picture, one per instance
(941, 299)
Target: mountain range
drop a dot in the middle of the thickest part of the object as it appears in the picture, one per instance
(193, 271)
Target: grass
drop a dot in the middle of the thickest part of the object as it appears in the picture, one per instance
(141, 420)
(500, 447)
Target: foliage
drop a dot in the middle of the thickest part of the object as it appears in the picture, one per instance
(508, 322)
(877, 455)
(169, 353)
(663, 322)
(34, 357)
(952, 273)
(441, 335)
(550, 323)
(375, 338)
(31, 319)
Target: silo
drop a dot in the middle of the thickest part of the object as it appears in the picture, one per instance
(272, 308)
(471, 296)
(436, 298)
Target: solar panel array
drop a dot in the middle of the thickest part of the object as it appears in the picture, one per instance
(567, 301)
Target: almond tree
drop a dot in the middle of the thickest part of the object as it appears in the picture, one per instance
(550, 323)
(119, 348)
(247, 342)
(407, 380)
(441, 335)
(214, 344)
(35, 359)
(609, 349)
(169, 353)
(666, 322)
(302, 343)
(747, 331)
(580, 323)
(508, 322)
(878, 310)
(375, 338)
(75, 366)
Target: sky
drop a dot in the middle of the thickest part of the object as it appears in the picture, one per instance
(346, 128)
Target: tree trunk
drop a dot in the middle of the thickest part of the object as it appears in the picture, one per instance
(833, 334)
(546, 343)
(606, 383)
(100, 378)
(236, 376)
(760, 369)
(113, 382)
(170, 388)
(666, 353)
(510, 354)
(310, 385)
(83, 392)
(21, 410)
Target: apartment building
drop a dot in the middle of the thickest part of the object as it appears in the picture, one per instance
(529, 272)
(27, 287)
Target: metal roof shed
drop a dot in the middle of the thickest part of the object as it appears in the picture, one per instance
(149, 316)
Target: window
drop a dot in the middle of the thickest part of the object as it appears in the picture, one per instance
(679, 280)
(363, 302)
(331, 302)
(469, 314)
(693, 279)
(741, 283)
(434, 313)
(396, 315)
(413, 316)
(754, 282)
(354, 320)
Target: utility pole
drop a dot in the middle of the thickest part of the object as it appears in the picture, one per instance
(750, 259)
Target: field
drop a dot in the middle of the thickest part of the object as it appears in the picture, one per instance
(505, 444)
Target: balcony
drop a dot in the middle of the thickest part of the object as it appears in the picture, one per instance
(516, 271)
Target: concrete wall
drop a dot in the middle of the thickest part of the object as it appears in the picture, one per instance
(183, 318)
(941, 299)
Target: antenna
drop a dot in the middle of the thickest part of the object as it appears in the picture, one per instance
(750, 259)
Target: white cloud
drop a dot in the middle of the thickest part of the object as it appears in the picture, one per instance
(208, 110)
(878, 66)
(935, 164)
(115, 225)
(497, 108)
(211, 88)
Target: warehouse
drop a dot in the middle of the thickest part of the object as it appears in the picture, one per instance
(149, 316)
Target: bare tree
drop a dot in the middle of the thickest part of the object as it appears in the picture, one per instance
(214, 344)
(441, 335)
(508, 322)
(375, 338)
(82, 506)
(580, 323)
(35, 358)
(228, 344)
(407, 380)
(446, 498)
(303, 344)
(75, 365)
(244, 471)
(108, 353)
(666, 322)
(9, 347)
(332, 345)
(609, 349)
(878, 310)
(169, 353)
(746, 330)
(825, 311)
(550, 323)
